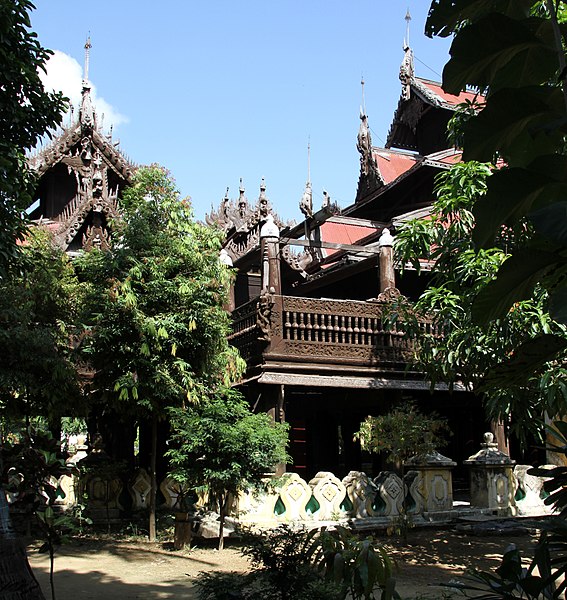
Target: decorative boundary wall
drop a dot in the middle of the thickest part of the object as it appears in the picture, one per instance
(357, 498)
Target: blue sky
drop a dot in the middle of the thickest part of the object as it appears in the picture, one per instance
(217, 90)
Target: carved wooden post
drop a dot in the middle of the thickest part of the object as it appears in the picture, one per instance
(387, 275)
(270, 249)
(225, 259)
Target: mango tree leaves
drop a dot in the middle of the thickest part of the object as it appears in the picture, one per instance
(530, 356)
(499, 52)
(515, 282)
(446, 16)
(515, 192)
(518, 125)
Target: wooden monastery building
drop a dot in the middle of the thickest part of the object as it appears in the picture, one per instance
(309, 301)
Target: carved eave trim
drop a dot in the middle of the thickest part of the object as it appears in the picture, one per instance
(115, 159)
(419, 92)
(53, 154)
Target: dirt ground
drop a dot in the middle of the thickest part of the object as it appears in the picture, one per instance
(127, 569)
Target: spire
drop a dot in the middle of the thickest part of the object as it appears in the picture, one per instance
(407, 38)
(364, 143)
(407, 68)
(241, 197)
(88, 47)
(306, 202)
(363, 105)
(86, 112)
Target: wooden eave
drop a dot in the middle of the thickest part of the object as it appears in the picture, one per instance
(52, 154)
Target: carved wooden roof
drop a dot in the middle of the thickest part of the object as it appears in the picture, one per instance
(242, 222)
(96, 172)
(418, 98)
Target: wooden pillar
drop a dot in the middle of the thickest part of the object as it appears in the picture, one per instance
(270, 252)
(387, 274)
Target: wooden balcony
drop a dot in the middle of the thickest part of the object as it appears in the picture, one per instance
(343, 334)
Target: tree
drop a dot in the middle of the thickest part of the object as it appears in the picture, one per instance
(222, 448)
(38, 307)
(515, 53)
(27, 112)
(457, 348)
(495, 230)
(153, 309)
(403, 433)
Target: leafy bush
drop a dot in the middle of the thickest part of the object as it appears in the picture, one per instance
(296, 563)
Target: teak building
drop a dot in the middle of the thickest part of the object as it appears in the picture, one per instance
(81, 175)
(309, 300)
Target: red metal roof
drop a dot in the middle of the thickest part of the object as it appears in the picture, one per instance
(436, 88)
(392, 164)
(342, 233)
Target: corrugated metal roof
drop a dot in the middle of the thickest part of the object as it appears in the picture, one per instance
(392, 164)
(342, 233)
(436, 88)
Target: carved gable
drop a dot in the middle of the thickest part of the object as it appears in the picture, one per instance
(81, 174)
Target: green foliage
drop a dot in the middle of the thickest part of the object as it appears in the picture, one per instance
(37, 308)
(33, 466)
(282, 569)
(544, 577)
(402, 433)
(155, 326)
(512, 580)
(221, 447)
(27, 112)
(515, 53)
(298, 564)
(361, 568)
(524, 343)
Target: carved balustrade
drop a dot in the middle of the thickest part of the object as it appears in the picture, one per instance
(321, 329)
(245, 329)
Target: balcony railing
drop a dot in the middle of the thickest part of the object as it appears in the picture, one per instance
(319, 330)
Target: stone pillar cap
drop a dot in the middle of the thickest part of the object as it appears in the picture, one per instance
(489, 454)
(431, 459)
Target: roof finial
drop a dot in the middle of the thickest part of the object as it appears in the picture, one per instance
(363, 109)
(407, 38)
(88, 47)
(306, 202)
(309, 159)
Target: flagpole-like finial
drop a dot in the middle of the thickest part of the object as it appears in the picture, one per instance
(88, 47)
(309, 159)
(363, 99)
(407, 38)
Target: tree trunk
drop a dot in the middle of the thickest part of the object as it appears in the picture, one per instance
(153, 491)
(17, 581)
(222, 502)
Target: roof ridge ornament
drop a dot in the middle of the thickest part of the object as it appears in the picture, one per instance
(263, 202)
(407, 70)
(407, 38)
(88, 47)
(364, 144)
(306, 202)
(86, 112)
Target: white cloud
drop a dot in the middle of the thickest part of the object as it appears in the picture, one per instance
(65, 74)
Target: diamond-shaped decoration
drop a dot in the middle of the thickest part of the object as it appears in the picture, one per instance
(329, 492)
(295, 492)
(393, 488)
